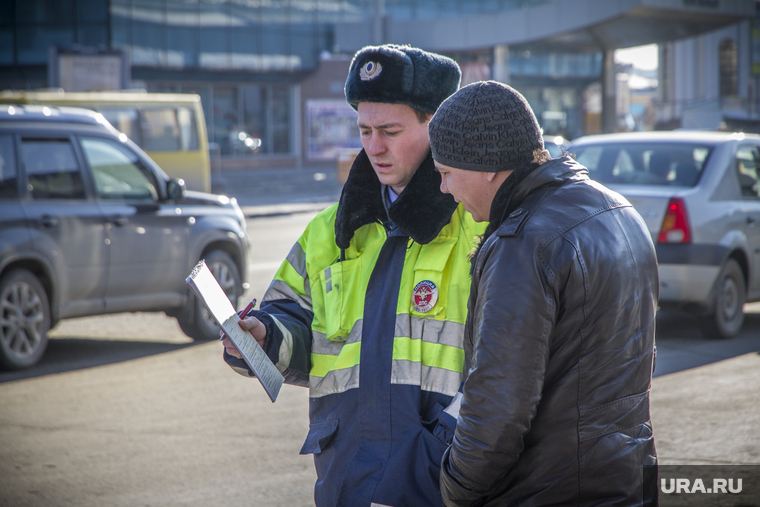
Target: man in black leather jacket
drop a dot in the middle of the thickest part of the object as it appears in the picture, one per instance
(559, 340)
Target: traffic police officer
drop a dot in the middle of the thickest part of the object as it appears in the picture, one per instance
(368, 309)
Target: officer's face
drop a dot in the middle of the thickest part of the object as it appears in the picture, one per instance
(395, 141)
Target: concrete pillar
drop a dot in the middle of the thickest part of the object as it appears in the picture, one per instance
(609, 114)
(379, 23)
(501, 63)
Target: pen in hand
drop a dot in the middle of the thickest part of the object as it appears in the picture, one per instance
(247, 308)
(243, 313)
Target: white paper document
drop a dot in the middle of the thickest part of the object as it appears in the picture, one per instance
(205, 286)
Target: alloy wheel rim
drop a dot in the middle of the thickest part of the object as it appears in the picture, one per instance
(21, 319)
(729, 298)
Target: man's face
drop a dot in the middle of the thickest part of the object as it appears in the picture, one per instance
(474, 189)
(395, 141)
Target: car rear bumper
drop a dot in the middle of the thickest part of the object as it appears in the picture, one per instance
(688, 272)
(686, 283)
(700, 255)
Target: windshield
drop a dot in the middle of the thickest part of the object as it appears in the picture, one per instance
(641, 163)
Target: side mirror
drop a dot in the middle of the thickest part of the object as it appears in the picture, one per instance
(176, 189)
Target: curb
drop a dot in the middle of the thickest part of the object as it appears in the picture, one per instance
(284, 209)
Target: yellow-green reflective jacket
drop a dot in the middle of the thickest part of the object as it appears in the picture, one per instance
(427, 340)
(376, 333)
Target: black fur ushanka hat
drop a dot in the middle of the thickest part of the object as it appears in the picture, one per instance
(394, 74)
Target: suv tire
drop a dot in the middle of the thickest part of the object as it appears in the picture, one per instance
(24, 319)
(195, 321)
(727, 315)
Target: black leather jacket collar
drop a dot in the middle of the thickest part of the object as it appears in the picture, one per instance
(523, 182)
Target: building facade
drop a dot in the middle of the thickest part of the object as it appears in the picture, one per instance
(711, 81)
(274, 69)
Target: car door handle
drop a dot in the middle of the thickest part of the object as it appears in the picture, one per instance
(48, 221)
(751, 221)
(117, 220)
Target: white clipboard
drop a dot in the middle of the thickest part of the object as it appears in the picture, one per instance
(205, 286)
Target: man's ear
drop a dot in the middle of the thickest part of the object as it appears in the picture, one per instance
(491, 176)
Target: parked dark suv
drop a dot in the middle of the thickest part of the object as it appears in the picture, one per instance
(90, 225)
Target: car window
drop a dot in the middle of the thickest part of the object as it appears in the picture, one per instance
(747, 162)
(188, 130)
(169, 129)
(156, 128)
(118, 172)
(125, 119)
(677, 164)
(8, 171)
(52, 171)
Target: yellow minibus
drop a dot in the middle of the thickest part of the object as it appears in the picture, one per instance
(169, 127)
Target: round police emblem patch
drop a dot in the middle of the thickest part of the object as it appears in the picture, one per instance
(424, 296)
(370, 71)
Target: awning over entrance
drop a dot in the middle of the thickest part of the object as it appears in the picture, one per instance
(563, 25)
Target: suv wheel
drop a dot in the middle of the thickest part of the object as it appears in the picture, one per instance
(195, 321)
(24, 319)
(727, 316)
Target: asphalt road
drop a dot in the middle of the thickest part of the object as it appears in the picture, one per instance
(125, 410)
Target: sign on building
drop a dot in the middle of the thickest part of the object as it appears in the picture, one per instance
(88, 71)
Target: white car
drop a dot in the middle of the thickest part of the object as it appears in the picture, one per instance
(699, 195)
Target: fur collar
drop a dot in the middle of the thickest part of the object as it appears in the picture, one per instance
(421, 210)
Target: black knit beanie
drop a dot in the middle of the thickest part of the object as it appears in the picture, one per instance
(394, 74)
(485, 126)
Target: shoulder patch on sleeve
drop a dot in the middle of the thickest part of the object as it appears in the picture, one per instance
(513, 223)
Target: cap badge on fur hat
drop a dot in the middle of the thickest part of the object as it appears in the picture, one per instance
(393, 74)
(371, 70)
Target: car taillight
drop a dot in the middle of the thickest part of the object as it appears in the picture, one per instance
(675, 226)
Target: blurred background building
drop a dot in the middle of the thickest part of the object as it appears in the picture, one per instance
(275, 69)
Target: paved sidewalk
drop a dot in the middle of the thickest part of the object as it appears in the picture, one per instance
(709, 415)
(276, 191)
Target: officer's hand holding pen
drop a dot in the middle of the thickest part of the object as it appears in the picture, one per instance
(251, 324)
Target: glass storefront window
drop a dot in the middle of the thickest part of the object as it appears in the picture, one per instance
(281, 119)
(181, 46)
(527, 63)
(57, 12)
(93, 35)
(225, 118)
(92, 10)
(255, 115)
(250, 119)
(34, 41)
(6, 46)
(7, 11)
